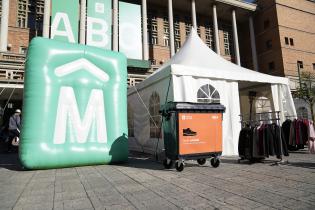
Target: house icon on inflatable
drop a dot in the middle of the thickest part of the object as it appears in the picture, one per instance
(81, 64)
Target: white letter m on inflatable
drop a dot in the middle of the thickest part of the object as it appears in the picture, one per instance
(68, 115)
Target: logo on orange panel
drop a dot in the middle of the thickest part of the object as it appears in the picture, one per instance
(187, 117)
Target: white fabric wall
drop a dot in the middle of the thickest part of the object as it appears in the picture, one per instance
(287, 101)
(277, 102)
(185, 90)
(283, 100)
(141, 141)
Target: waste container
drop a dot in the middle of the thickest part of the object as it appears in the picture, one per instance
(192, 131)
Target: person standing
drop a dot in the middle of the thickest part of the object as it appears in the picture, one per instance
(14, 127)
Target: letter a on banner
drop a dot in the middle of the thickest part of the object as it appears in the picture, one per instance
(99, 19)
(65, 20)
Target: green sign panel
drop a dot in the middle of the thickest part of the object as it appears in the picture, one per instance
(75, 106)
(99, 19)
(130, 40)
(65, 20)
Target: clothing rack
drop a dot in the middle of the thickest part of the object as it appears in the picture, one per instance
(260, 116)
(291, 117)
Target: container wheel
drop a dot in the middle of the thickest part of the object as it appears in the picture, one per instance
(201, 161)
(215, 162)
(166, 164)
(179, 166)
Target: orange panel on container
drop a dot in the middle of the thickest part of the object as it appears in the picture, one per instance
(200, 133)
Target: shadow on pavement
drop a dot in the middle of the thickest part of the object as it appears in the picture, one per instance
(144, 163)
(302, 165)
(152, 162)
(10, 161)
(142, 160)
(266, 161)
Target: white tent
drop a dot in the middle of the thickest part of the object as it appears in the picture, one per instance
(197, 74)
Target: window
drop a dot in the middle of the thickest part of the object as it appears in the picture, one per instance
(39, 17)
(286, 39)
(166, 37)
(209, 36)
(228, 40)
(155, 119)
(35, 16)
(152, 29)
(23, 50)
(271, 66)
(208, 94)
(130, 122)
(269, 44)
(177, 34)
(266, 24)
(22, 13)
(291, 42)
(187, 25)
(300, 64)
(226, 43)
(313, 66)
(198, 30)
(177, 44)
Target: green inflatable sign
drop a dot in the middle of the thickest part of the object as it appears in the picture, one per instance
(75, 110)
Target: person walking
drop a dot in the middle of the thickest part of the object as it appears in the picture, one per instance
(14, 127)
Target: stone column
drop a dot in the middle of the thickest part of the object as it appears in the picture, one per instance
(46, 20)
(235, 35)
(4, 25)
(82, 21)
(193, 14)
(115, 25)
(216, 29)
(171, 26)
(145, 45)
(253, 43)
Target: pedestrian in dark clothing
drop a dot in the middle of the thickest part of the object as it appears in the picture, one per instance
(14, 127)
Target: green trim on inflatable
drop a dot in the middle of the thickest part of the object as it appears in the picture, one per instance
(75, 106)
(142, 64)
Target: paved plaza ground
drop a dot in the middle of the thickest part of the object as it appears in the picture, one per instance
(142, 183)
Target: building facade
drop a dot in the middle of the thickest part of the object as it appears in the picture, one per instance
(285, 37)
(270, 36)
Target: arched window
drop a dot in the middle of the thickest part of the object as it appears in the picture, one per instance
(155, 119)
(208, 94)
(302, 112)
(130, 122)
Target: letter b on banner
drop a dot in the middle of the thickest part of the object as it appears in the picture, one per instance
(99, 18)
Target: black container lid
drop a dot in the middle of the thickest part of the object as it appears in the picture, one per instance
(189, 106)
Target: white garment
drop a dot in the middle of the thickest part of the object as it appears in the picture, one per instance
(311, 139)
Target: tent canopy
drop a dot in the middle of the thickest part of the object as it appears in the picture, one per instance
(196, 59)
